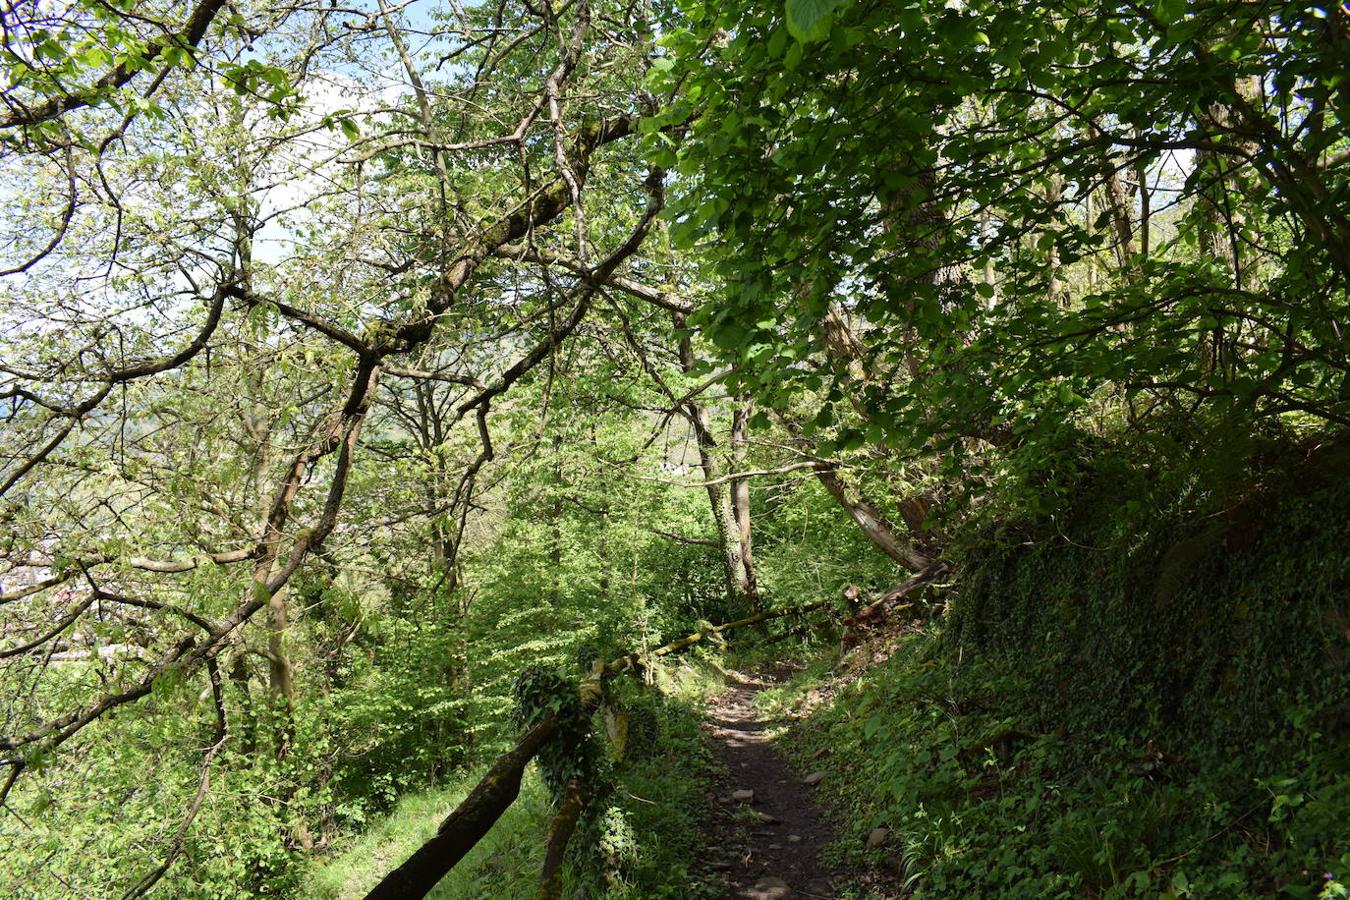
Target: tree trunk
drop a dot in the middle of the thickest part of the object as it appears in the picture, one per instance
(560, 832)
(1055, 292)
(845, 350)
(740, 498)
(1221, 221)
(873, 523)
(869, 519)
(846, 353)
(281, 673)
(738, 571)
(1145, 202)
(1118, 203)
(735, 567)
(240, 676)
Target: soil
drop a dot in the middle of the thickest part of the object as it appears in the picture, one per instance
(777, 855)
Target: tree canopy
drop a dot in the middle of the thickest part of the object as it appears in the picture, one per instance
(356, 357)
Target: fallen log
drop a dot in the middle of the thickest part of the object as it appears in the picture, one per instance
(465, 827)
(633, 659)
(875, 613)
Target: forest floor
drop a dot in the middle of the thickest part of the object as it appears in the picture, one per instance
(769, 841)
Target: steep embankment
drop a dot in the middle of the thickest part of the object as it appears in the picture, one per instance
(1143, 695)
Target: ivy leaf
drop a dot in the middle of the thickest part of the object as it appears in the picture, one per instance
(809, 20)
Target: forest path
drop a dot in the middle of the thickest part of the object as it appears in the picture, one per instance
(769, 844)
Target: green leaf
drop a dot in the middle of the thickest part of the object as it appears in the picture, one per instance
(50, 49)
(777, 43)
(663, 158)
(809, 20)
(95, 58)
(1169, 11)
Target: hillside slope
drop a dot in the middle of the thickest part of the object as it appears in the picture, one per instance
(1143, 695)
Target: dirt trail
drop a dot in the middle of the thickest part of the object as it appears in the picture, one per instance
(780, 859)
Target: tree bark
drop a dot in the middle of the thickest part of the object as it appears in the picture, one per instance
(1145, 202)
(1221, 221)
(281, 672)
(1054, 195)
(740, 497)
(740, 596)
(1118, 205)
(240, 676)
(874, 525)
(846, 352)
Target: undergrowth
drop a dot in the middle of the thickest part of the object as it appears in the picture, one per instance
(639, 838)
(1142, 696)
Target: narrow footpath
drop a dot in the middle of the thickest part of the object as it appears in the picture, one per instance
(772, 831)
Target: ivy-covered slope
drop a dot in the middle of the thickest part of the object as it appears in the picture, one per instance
(1143, 694)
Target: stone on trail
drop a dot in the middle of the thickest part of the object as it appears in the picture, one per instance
(744, 795)
(813, 779)
(794, 838)
(770, 887)
(877, 837)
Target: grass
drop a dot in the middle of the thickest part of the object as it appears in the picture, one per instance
(503, 864)
(641, 839)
